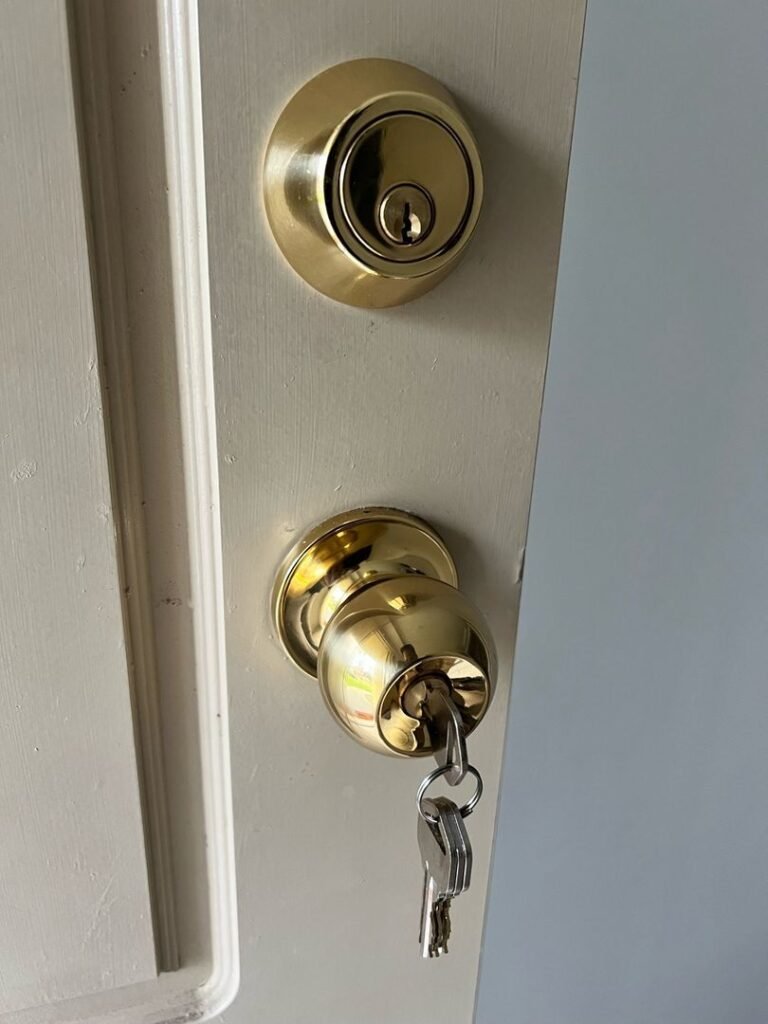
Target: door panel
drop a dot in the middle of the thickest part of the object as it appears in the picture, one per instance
(114, 765)
(76, 914)
(629, 876)
(433, 407)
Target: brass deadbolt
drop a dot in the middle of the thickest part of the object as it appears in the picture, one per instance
(367, 603)
(372, 182)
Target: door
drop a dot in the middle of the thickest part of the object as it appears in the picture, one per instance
(75, 890)
(431, 407)
(134, 194)
(116, 886)
(194, 837)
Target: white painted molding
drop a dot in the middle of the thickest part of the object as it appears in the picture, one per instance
(182, 103)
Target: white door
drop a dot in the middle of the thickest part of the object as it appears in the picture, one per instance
(163, 118)
(191, 834)
(431, 407)
(75, 891)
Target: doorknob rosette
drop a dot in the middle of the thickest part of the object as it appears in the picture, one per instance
(367, 603)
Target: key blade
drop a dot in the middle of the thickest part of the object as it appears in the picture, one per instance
(445, 925)
(427, 925)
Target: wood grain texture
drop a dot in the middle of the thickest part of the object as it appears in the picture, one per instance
(434, 407)
(73, 883)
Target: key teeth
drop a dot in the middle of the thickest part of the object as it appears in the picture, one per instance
(445, 925)
(437, 928)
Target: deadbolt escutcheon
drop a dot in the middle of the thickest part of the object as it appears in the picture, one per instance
(372, 182)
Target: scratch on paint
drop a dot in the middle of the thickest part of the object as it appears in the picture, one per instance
(103, 906)
(92, 385)
(520, 566)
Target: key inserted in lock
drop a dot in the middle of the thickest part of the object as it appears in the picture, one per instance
(430, 697)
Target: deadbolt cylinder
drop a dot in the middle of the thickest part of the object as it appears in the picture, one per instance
(372, 182)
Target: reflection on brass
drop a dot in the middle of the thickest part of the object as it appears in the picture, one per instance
(372, 182)
(367, 603)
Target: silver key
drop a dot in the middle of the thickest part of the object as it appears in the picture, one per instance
(441, 866)
(447, 857)
(446, 729)
(449, 864)
(455, 823)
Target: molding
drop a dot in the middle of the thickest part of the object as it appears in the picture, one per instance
(101, 202)
(182, 103)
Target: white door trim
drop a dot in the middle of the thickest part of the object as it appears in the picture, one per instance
(182, 108)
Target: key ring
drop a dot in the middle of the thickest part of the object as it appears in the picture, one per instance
(436, 773)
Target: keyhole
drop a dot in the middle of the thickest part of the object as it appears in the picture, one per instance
(405, 214)
(407, 226)
(411, 231)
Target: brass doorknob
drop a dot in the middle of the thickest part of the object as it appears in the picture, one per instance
(367, 603)
(372, 182)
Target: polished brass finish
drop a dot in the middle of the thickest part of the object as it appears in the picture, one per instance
(338, 557)
(367, 602)
(372, 182)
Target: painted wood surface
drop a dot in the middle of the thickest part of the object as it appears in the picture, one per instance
(74, 898)
(433, 407)
(136, 71)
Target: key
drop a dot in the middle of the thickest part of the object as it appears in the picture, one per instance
(447, 857)
(455, 823)
(441, 866)
(446, 729)
(448, 862)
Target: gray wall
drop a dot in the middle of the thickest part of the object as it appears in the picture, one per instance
(631, 867)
